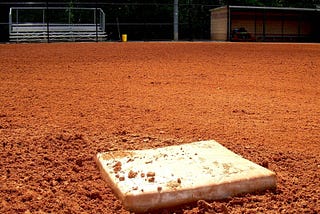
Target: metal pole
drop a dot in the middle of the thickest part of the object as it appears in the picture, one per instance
(96, 22)
(70, 25)
(17, 22)
(48, 36)
(103, 21)
(10, 21)
(176, 20)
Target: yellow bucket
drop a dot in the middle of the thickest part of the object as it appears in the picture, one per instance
(124, 37)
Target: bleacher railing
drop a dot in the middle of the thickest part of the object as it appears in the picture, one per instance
(53, 20)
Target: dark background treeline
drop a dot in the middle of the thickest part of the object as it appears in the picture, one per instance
(148, 19)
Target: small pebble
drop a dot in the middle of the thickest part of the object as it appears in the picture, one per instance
(179, 180)
(151, 179)
(151, 174)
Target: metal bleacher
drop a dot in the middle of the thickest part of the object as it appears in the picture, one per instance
(43, 32)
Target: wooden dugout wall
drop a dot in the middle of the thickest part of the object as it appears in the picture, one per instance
(219, 24)
(266, 23)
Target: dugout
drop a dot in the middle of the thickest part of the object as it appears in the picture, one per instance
(278, 24)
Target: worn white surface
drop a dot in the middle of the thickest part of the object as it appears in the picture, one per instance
(179, 174)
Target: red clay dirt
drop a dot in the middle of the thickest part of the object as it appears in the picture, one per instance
(61, 104)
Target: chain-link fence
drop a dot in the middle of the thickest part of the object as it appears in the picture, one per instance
(140, 21)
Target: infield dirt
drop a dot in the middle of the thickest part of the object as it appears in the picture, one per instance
(61, 104)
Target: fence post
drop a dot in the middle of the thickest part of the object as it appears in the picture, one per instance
(47, 10)
(10, 21)
(176, 20)
(95, 19)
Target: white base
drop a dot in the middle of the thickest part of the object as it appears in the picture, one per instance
(157, 178)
